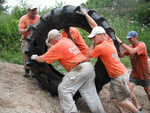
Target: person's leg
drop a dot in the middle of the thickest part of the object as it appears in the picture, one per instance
(24, 45)
(128, 105)
(146, 85)
(120, 92)
(147, 90)
(120, 108)
(134, 99)
(89, 93)
(69, 86)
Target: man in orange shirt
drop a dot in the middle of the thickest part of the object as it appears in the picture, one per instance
(106, 50)
(140, 74)
(25, 26)
(74, 34)
(80, 74)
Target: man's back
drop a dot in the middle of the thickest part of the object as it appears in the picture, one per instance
(66, 52)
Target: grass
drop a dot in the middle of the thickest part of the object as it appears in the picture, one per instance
(12, 57)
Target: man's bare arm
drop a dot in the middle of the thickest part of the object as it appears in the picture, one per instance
(90, 20)
(130, 50)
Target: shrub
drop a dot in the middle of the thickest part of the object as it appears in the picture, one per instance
(142, 14)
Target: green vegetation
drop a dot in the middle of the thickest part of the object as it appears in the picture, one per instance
(122, 15)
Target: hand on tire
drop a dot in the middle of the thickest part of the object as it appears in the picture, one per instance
(33, 57)
(30, 27)
(82, 11)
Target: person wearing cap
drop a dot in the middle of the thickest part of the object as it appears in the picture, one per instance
(140, 74)
(106, 51)
(80, 74)
(25, 27)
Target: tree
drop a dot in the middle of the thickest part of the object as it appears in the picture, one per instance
(94, 4)
(2, 8)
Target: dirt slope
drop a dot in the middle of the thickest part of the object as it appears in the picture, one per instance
(21, 95)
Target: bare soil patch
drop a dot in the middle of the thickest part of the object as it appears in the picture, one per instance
(23, 95)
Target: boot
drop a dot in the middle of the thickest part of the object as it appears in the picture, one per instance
(27, 71)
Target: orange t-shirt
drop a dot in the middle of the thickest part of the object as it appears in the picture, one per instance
(109, 56)
(66, 52)
(139, 62)
(25, 21)
(78, 40)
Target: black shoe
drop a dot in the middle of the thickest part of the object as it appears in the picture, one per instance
(140, 109)
(27, 71)
(33, 75)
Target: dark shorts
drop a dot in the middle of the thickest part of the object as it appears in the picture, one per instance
(144, 83)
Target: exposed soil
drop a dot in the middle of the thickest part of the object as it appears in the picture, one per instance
(23, 95)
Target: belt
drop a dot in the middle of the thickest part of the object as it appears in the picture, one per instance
(82, 62)
(77, 67)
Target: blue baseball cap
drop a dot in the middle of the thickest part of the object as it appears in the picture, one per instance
(132, 34)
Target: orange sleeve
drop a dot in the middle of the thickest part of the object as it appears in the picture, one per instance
(96, 52)
(79, 41)
(140, 49)
(51, 55)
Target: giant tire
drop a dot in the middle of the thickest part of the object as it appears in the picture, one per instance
(59, 18)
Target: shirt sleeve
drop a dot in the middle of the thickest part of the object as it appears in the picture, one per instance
(79, 41)
(51, 55)
(140, 49)
(95, 52)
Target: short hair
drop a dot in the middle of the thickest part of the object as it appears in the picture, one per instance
(52, 34)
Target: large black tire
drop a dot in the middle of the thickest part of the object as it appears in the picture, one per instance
(59, 18)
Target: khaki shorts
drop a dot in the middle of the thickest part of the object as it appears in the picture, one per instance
(119, 88)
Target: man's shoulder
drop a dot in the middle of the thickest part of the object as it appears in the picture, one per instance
(38, 16)
(23, 17)
(141, 44)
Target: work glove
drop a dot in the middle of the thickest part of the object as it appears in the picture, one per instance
(82, 11)
(30, 27)
(33, 57)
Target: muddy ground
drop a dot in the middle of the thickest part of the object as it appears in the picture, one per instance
(22, 95)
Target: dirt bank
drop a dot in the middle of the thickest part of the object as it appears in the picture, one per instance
(22, 95)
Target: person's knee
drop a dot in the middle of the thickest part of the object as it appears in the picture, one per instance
(148, 94)
(60, 88)
(131, 86)
(123, 102)
(147, 90)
